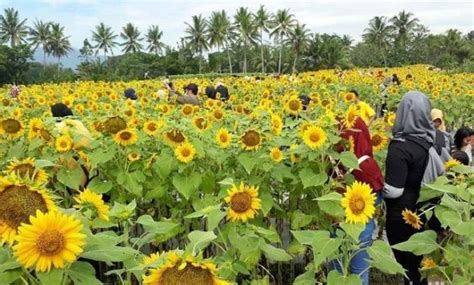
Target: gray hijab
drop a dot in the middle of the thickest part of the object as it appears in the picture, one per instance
(414, 118)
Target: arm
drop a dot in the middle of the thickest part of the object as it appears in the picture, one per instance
(396, 171)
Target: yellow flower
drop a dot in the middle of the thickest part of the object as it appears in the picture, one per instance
(64, 143)
(349, 97)
(149, 259)
(185, 152)
(126, 137)
(174, 137)
(113, 125)
(152, 127)
(50, 240)
(251, 140)
(428, 263)
(379, 141)
(223, 138)
(18, 202)
(276, 154)
(412, 219)
(294, 106)
(179, 269)
(218, 114)
(93, 201)
(294, 157)
(314, 137)
(358, 203)
(451, 163)
(277, 124)
(350, 116)
(26, 169)
(243, 202)
(201, 123)
(390, 118)
(11, 127)
(133, 156)
(187, 110)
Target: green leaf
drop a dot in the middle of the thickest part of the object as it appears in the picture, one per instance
(300, 219)
(83, 273)
(324, 246)
(156, 227)
(336, 278)
(306, 278)
(353, 230)
(10, 276)
(309, 178)
(165, 164)
(448, 217)
(307, 237)
(266, 202)
(331, 204)
(419, 243)
(54, 276)
(240, 267)
(70, 177)
(248, 161)
(264, 281)
(274, 253)
(100, 186)
(199, 240)
(186, 185)
(99, 156)
(9, 265)
(349, 160)
(465, 228)
(214, 218)
(110, 254)
(463, 169)
(269, 234)
(382, 258)
(227, 181)
(42, 163)
(133, 182)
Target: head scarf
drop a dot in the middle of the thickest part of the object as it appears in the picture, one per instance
(60, 110)
(438, 114)
(414, 118)
(369, 171)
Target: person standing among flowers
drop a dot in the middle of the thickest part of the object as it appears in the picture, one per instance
(462, 142)
(365, 111)
(369, 173)
(411, 161)
(443, 138)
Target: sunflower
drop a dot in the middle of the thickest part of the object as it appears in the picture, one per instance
(174, 137)
(390, 118)
(50, 240)
(152, 127)
(451, 163)
(293, 106)
(185, 152)
(358, 203)
(277, 124)
(150, 259)
(126, 137)
(379, 141)
(294, 157)
(350, 116)
(218, 114)
(11, 127)
(19, 201)
(349, 97)
(412, 219)
(251, 140)
(64, 143)
(187, 110)
(428, 263)
(177, 269)
(133, 156)
(243, 202)
(201, 123)
(26, 169)
(114, 125)
(35, 126)
(314, 137)
(92, 201)
(223, 138)
(276, 154)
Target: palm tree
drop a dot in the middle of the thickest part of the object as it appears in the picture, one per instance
(58, 43)
(39, 35)
(262, 20)
(131, 35)
(299, 39)
(217, 31)
(247, 31)
(379, 34)
(403, 23)
(104, 38)
(12, 28)
(283, 22)
(452, 41)
(196, 36)
(229, 31)
(153, 38)
(86, 50)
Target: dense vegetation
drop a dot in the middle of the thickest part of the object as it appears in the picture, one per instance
(248, 41)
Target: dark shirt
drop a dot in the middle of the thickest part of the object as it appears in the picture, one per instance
(405, 166)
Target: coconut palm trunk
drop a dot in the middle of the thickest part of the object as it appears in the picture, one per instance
(279, 60)
(294, 62)
(261, 51)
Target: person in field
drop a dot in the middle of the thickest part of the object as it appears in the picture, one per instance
(365, 111)
(130, 93)
(443, 138)
(369, 172)
(190, 94)
(412, 161)
(463, 141)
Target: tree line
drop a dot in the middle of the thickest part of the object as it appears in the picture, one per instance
(247, 41)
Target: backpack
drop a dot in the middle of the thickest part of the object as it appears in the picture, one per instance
(434, 165)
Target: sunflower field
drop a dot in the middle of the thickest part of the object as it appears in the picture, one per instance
(248, 191)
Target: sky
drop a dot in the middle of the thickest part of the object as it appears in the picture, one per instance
(341, 17)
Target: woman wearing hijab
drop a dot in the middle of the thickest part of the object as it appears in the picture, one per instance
(411, 161)
(443, 138)
(368, 172)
